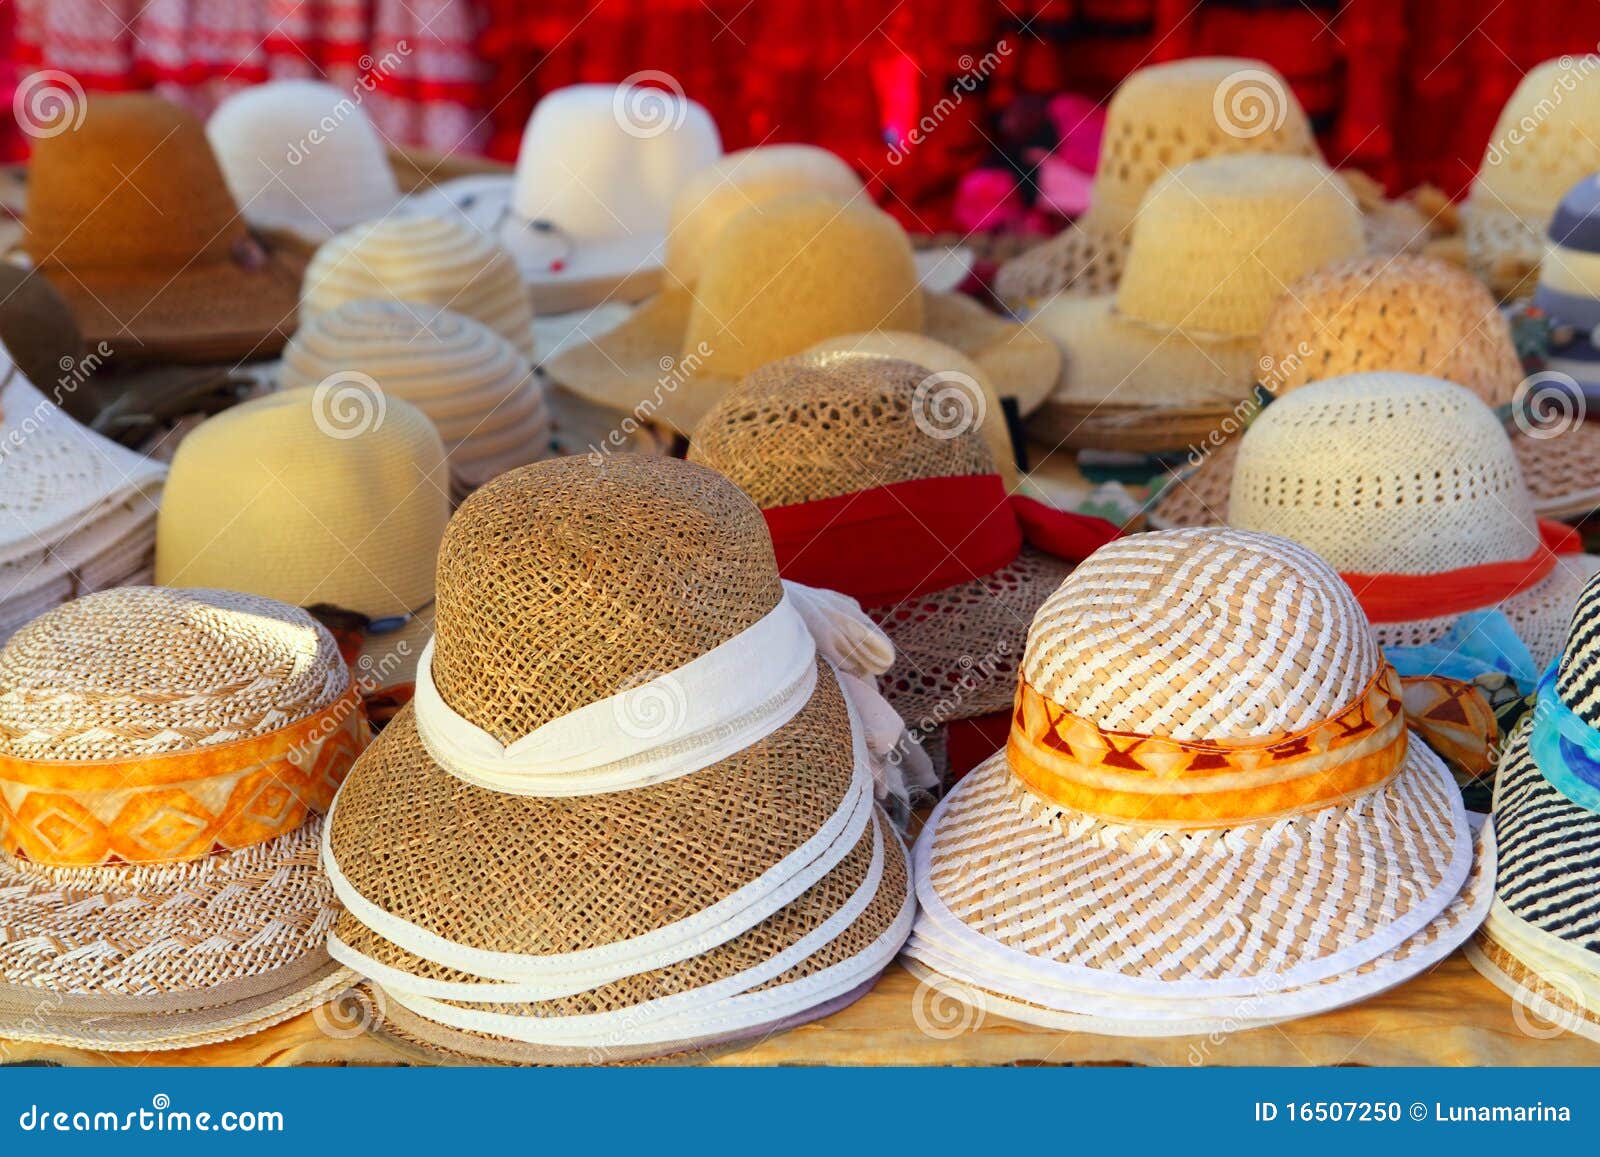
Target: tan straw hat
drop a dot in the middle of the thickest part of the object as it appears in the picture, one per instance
(129, 217)
(165, 756)
(1207, 784)
(569, 847)
(333, 499)
(776, 279)
(1173, 351)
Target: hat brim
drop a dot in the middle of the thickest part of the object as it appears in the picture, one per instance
(1504, 250)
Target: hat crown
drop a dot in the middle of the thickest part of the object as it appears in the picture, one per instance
(396, 340)
(820, 425)
(1401, 313)
(151, 670)
(1578, 681)
(1569, 273)
(1544, 141)
(1218, 240)
(1385, 473)
(566, 582)
(1207, 634)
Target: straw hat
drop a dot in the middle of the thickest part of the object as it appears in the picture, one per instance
(1543, 144)
(585, 215)
(473, 386)
(1410, 315)
(330, 499)
(568, 848)
(1568, 295)
(163, 269)
(164, 758)
(427, 261)
(303, 157)
(1168, 356)
(778, 278)
(1208, 780)
(1541, 943)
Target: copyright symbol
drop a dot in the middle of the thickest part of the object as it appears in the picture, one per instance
(1419, 1111)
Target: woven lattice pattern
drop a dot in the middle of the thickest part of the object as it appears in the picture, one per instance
(1569, 1001)
(1080, 261)
(1579, 680)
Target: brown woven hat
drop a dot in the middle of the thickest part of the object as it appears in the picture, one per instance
(560, 584)
(164, 757)
(37, 327)
(129, 217)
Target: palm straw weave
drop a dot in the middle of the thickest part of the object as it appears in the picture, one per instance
(822, 425)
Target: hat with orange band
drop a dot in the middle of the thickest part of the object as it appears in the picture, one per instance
(168, 753)
(1207, 787)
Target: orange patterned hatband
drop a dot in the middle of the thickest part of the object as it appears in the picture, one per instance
(1171, 783)
(167, 809)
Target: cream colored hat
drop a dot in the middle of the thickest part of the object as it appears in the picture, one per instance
(333, 499)
(475, 388)
(303, 157)
(780, 277)
(425, 260)
(1207, 784)
(165, 758)
(1545, 142)
(1166, 358)
(585, 216)
(1411, 315)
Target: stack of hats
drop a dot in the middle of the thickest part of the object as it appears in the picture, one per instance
(1170, 355)
(445, 263)
(876, 481)
(630, 811)
(332, 500)
(1410, 315)
(1568, 293)
(302, 157)
(1541, 943)
(1209, 813)
(472, 384)
(165, 756)
(1408, 485)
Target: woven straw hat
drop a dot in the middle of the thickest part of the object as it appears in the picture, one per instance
(427, 261)
(164, 758)
(559, 584)
(1543, 143)
(334, 500)
(303, 157)
(476, 389)
(1568, 294)
(1173, 351)
(778, 278)
(163, 270)
(1410, 315)
(1208, 781)
(585, 215)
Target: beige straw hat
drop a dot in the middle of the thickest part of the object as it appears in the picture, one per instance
(775, 280)
(435, 261)
(329, 499)
(1168, 356)
(472, 384)
(599, 911)
(165, 756)
(1411, 315)
(1207, 787)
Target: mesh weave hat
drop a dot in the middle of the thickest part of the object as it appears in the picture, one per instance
(433, 261)
(1173, 351)
(303, 157)
(1541, 943)
(780, 277)
(476, 389)
(1207, 788)
(334, 501)
(164, 758)
(163, 270)
(1409, 315)
(596, 911)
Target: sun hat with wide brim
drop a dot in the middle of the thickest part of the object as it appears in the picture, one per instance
(569, 848)
(1207, 784)
(1168, 356)
(1410, 315)
(164, 758)
(163, 267)
(779, 278)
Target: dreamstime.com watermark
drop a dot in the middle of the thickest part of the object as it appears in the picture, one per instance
(674, 372)
(1249, 103)
(347, 404)
(48, 103)
(373, 72)
(650, 104)
(1548, 404)
(973, 73)
(974, 673)
(74, 372)
(1573, 69)
(944, 1009)
(948, 404)
(1272, 374)
(159, 1117)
